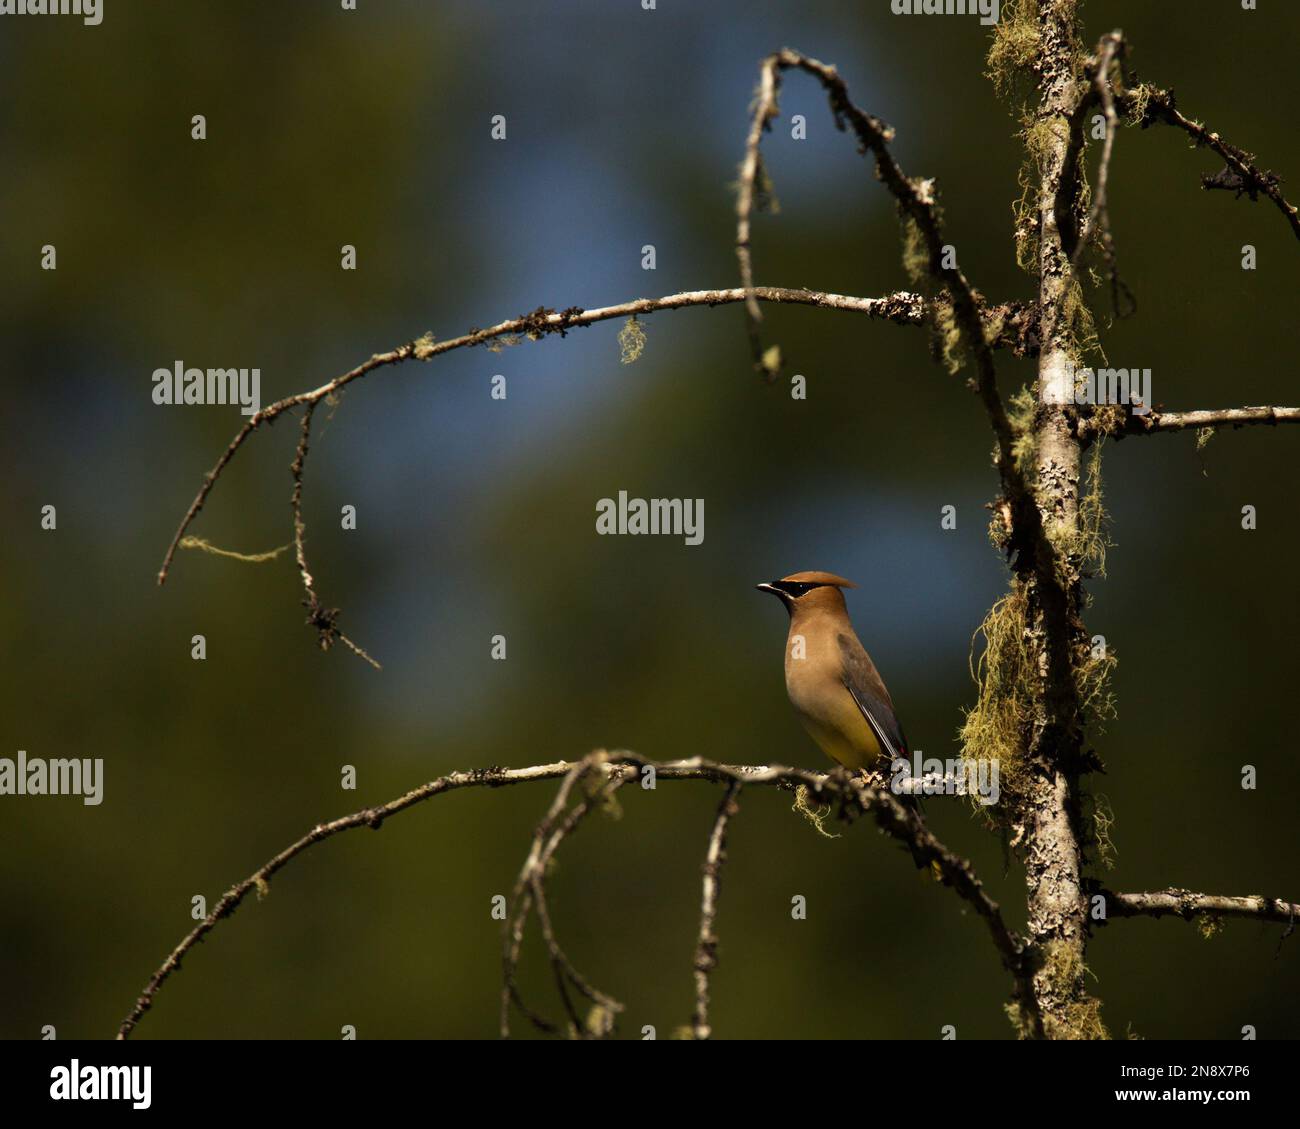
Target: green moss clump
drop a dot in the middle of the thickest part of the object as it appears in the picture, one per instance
(1039, 136)
(1084, 545)
(1022, 412)
(947, 340)
(765, 190)
(1006, 672)
(1209, 926)
(1136, 102)
(996, 728)
(1098, 822)
(1064, 971)
(1080, 325)
(1012, 53)
(631, 340)
(916, 254)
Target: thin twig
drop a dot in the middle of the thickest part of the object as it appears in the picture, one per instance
(1241, 174)
(706, 947)
(751, 189)
(916, 200)
(324, 619)
(1109, 51)
(530, 893)
(521, 903)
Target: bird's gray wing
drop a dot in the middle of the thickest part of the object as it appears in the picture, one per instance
(863, 682)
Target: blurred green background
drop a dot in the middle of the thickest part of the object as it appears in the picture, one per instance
(476, 517)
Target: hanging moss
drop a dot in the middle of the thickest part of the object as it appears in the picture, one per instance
(996, 728)
(765, 190)
(771, 361)
(1081, 326)
(631, 340)
(1098, 824)
(248, 558)
(816, 814)
(1022, 413)
(1014, 49)
(1084, 544)
(947, 340)
(1006, 672)
(916, 254)
(1136, 102)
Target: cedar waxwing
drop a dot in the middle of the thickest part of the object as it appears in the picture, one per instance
(831, 680)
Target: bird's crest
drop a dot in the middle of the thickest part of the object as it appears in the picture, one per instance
(818, 578)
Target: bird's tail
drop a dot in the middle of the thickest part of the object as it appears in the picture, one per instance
(930, 869)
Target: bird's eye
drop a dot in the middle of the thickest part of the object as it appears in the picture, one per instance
(797, 589)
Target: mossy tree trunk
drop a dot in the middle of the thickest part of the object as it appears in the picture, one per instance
(1051, 816)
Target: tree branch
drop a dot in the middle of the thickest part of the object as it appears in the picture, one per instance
(1187, 905)
(1014, 322)
(1150, 104)
(706, 948)
(1110, 53)
(1212, 418)
(530, 893)
(855, 795)
(1047, 821)
(916, 200)
(324, 619)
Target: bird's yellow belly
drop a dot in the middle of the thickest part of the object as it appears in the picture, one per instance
(843, 734)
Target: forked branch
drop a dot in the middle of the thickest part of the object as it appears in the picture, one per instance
(851, 795)
(1241, 173)
(917, 202)
(1012, 325)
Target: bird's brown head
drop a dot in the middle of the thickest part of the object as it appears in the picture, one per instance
(808, 591)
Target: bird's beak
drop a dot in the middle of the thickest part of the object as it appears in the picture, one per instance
(765, 587)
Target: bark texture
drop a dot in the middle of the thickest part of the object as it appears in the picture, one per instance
(1057, 921)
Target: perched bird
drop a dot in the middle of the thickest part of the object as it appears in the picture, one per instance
(832, 682)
